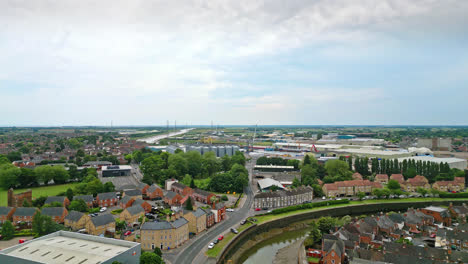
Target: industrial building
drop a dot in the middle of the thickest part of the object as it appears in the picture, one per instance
(116, 170)
(442, 144)
(460, 164)
(219, 150)
(74, 248)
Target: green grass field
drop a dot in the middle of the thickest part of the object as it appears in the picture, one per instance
(228, 237)
(38, 191)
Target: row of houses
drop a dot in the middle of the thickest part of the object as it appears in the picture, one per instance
(349, 188)
(412, 184)
(283, 198)
(374, 238)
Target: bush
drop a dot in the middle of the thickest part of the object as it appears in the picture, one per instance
(453, 195)
(308, 206)
(94, 210)
(224, 197)
(117, 211)
(24, 232)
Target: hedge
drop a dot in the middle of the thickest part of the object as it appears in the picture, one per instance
(454, 195)
(24, 232)
(308, 206)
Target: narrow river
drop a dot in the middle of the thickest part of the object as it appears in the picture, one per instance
(265, 251)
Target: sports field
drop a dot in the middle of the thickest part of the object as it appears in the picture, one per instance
(38, 191)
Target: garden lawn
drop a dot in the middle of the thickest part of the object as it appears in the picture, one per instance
(37, 191)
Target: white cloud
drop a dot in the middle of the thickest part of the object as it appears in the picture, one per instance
(172, 58)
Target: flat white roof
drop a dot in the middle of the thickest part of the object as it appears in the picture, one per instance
(59, 248)
(273, 167)
(435, 209)
(121, 167)
(433, 159)
(268, 182)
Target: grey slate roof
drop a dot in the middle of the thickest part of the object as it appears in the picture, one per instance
(52, 211)
(201, 192)
(4, 210)
(126, 199)
(134, 210)
(164, 225)
(153, 188)
(199, 212)
(171, 194)
(25, 211)
(74, 216)
(207, 211)
(107, 195)
(86, 198)
(52, 199)
(101, 220)
(178, 185)
(138, 202)
(133, 192)
(142, 185)
(397, 218)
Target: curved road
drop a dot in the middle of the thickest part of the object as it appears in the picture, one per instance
(189, 254)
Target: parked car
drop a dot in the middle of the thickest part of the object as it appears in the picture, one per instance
(324, 198)
(230, 210)
(243, 222)
(93, 215)
(211, 245)
(234, 230)
(216, 241)
(220, 238)
(257, 209)
(265, 208)
(103, 209)
(127, 233)
(21, 241)
(269, 211)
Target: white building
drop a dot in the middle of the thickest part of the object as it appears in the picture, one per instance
(460, 164)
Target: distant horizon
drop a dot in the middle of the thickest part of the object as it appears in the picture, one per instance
(221, 126)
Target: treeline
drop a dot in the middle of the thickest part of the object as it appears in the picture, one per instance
(14, 177)
(278, 162)
(159, 166)
(308, 206)
(433, 171)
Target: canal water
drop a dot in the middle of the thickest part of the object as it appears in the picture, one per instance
(265, 251)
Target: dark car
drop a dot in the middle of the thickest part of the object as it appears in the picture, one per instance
(216, 241)
(265, 208)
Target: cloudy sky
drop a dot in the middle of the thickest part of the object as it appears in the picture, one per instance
(234, 62)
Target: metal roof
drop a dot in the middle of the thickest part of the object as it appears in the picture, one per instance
(268, 182)
(68, 247)
(52, 211)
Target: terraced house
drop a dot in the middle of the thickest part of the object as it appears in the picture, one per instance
(412, 184)
(100, 224)
(457, 185)
(76, 220)
(57, 214)
(57, 199)
(196, 219)
(165, 235)
(283, 198)
(154, 191)
(202, 196)
(181, 189)
(6, 213)
(135, 193)
(89, 199)
(107, 199)
(132, 213)
(24, 214)
(349, 188)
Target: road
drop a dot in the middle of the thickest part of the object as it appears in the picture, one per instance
(159, 137)
(189, 254)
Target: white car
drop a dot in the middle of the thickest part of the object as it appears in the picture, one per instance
(324, 198)
(103, 209)
(211, 245)
(230, 210)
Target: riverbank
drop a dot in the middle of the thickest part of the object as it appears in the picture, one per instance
(235, 249)
(288, 254)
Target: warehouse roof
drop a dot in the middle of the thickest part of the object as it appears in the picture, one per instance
(68, 247)
(266, 183)
(116, 167)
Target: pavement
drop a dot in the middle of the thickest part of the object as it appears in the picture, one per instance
(193, 251)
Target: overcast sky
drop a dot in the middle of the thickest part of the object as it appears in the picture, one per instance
(234, 62)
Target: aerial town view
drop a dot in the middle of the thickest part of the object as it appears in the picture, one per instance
(234, 132)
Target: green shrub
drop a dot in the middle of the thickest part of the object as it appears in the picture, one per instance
(308, 206)
(116, 211)
(94, 210)
(454, 195)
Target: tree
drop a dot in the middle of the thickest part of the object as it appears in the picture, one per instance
(26, 203)
(150, 258)
(43, 224)
(4, 160)
(178, 163)
(422, 191)
(325, 224)
(192, 184)
(308, 174)
(306, 160)
(274, 188)
(209, 163)
(187, 180)
(53, 204)
(78, 205)
(338, 169)
(296, 183)
(238, 158)
(157, 251)
(8, 231)
(9, 175)
(109, 187)
(39, 201)
(80, 153)
(393, 185)
(44, 174)
(27, 177)
(14, 156)
(224, 197)
(188, 204)
(318, 192)
(226, 163)
(361, 195)
(194, 163)
(69, 194)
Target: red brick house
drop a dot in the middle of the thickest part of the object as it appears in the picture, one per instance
(154, 191)
(202, 196)
(219, 211)
(58, 199)
(333, 250)
(143, 187)
(172, 198)
(440, 214)
(57, 214)
(418, 181)
(210, 218)
(146, 206)
(181, 189)
(89, 199)
(24, 214)
(6, 213)
(126, 202)
(107, 199)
